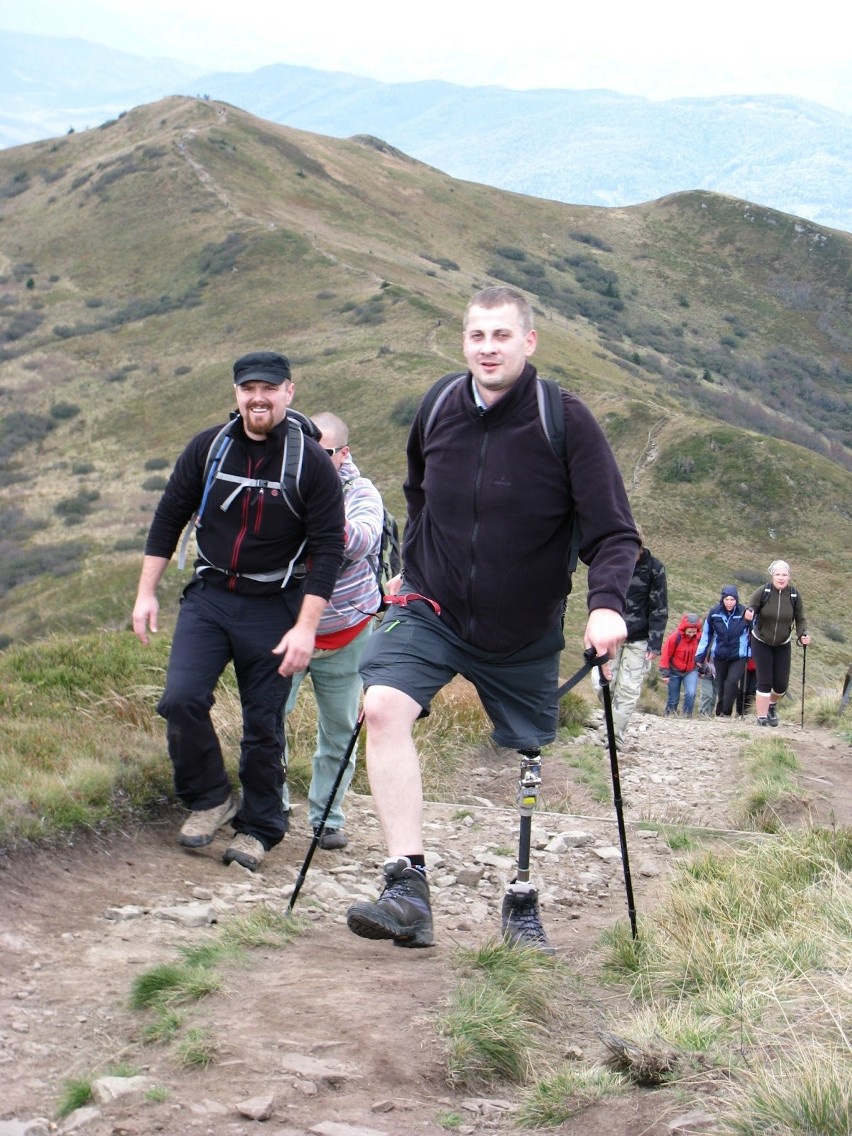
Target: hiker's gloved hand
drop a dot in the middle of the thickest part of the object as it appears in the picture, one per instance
(664, 675)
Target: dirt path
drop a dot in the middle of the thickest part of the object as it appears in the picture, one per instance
(339, 1031)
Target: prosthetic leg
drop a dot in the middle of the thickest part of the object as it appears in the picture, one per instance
(521, 923)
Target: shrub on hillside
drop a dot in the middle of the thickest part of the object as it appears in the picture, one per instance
(74, 509)
(19, 564)
(403, 410)
(19, 429)
(64, 410)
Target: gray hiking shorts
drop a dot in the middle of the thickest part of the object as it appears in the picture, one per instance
(414, 651)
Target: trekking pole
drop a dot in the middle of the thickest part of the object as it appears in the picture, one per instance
(804, 661)
(303, 871)
(598, 661)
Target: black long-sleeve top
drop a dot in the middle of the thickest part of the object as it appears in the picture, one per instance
(258, 532)
(490, 510)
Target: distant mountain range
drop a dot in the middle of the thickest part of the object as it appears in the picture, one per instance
(576, 146)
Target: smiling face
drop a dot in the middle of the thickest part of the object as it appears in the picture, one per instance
(781, 578)
(262, 405)
(496, 347)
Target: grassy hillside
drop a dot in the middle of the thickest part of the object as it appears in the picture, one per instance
(713, 339)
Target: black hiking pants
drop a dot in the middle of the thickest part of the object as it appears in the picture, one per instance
(728, 675)
(215, 627)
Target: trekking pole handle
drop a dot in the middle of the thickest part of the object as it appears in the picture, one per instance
(594, 659)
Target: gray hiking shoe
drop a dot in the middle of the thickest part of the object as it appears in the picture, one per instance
(246, 850)
(200, 827)
(520, 918)
(332, 838)
(401, 912)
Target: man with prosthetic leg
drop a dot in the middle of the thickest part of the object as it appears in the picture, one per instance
(486, 568)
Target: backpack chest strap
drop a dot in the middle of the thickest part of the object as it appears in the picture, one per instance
(244, 483)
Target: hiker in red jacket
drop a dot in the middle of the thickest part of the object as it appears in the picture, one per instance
(677, 663)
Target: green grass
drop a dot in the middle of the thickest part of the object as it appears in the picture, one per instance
(172, 984)
(262, 927)
(555, 1099)
(82, 745)
(807, 1092)
(499, 1014)
(198, 1047)
(736, 990)
(744, 969)
(75, 1094)
(593, 772)
(772, 791)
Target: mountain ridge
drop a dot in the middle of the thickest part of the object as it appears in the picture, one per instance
(577, 146)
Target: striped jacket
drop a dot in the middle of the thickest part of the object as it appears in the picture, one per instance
(356, 593)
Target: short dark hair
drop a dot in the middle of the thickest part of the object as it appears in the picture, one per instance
(496, 297)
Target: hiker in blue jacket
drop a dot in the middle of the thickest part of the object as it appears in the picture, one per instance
(725, 640)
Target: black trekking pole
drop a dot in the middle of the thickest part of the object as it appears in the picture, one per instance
(303, 871)
(598, 661)
(804, 661)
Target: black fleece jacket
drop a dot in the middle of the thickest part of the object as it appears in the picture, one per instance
(258, 532)
(489, 516)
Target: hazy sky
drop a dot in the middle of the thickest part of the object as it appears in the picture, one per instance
(661, 49)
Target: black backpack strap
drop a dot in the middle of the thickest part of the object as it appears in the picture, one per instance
(434, 398)
(294, 459)
(552, 411)
(216, 452)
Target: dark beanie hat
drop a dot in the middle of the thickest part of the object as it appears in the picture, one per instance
(265, 366)
(730, 590)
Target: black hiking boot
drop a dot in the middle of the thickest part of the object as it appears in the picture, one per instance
(772, 715)
(521, 922)
(331, 838)
(401, 912)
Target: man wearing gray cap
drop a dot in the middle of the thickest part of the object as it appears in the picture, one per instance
(268, 511)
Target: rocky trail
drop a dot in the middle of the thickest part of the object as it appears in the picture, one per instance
(334, 1035)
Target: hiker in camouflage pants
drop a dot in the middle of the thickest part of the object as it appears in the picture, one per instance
(646, 613)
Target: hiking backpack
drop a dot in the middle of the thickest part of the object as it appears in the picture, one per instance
(387, 561)
(551, 411)
(298, 427)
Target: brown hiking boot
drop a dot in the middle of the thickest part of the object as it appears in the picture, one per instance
(200, 827)
(246, 850)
